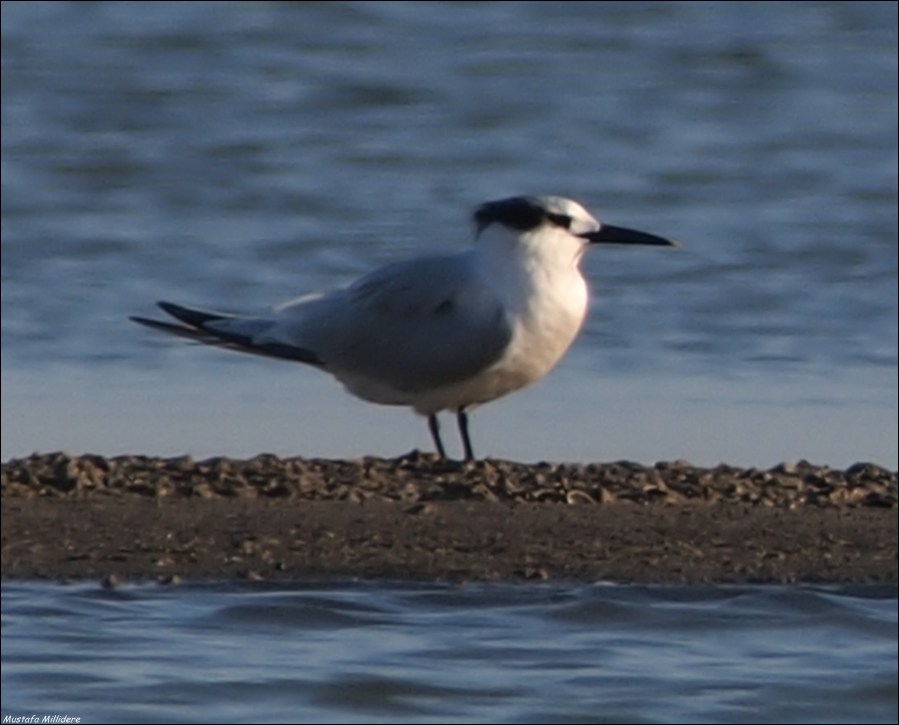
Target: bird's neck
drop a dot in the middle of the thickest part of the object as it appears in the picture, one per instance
(529, 271)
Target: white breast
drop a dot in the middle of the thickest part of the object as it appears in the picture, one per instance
(539, 285)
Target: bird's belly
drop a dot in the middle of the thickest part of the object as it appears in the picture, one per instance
(501, 378)
(531, 354)
(541, 334)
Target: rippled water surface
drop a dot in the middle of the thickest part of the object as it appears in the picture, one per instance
(431, 653)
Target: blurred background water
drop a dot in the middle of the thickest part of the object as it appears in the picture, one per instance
(234, 155)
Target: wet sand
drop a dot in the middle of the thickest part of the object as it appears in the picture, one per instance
(418, 518)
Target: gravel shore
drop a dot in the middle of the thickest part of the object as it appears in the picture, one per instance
(417, 517)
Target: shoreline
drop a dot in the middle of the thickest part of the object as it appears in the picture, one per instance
(419, 518)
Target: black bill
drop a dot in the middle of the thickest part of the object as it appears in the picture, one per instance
(619, 235)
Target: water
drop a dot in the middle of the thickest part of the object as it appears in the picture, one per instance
(435, 653)
(239, 154)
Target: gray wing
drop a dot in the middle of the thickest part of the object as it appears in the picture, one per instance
(225, 330)
(412, 325)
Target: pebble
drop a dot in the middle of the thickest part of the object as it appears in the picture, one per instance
(421, 477)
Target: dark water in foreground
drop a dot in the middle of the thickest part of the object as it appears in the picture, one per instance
(435, 653)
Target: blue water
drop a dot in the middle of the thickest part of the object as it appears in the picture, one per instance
(238, 154)
(356, 652)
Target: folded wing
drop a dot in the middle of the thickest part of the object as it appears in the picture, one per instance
(411, 326)
(406, 327)
(224, 330)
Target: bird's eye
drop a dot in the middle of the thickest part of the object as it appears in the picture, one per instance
(560, 220)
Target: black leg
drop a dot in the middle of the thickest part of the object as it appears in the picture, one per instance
(462, 419)
(434, 427)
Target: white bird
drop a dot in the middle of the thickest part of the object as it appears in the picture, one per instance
(441, 332)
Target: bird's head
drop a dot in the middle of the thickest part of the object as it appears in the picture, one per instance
(555, 216)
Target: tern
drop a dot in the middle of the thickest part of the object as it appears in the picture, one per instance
(436, 333)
